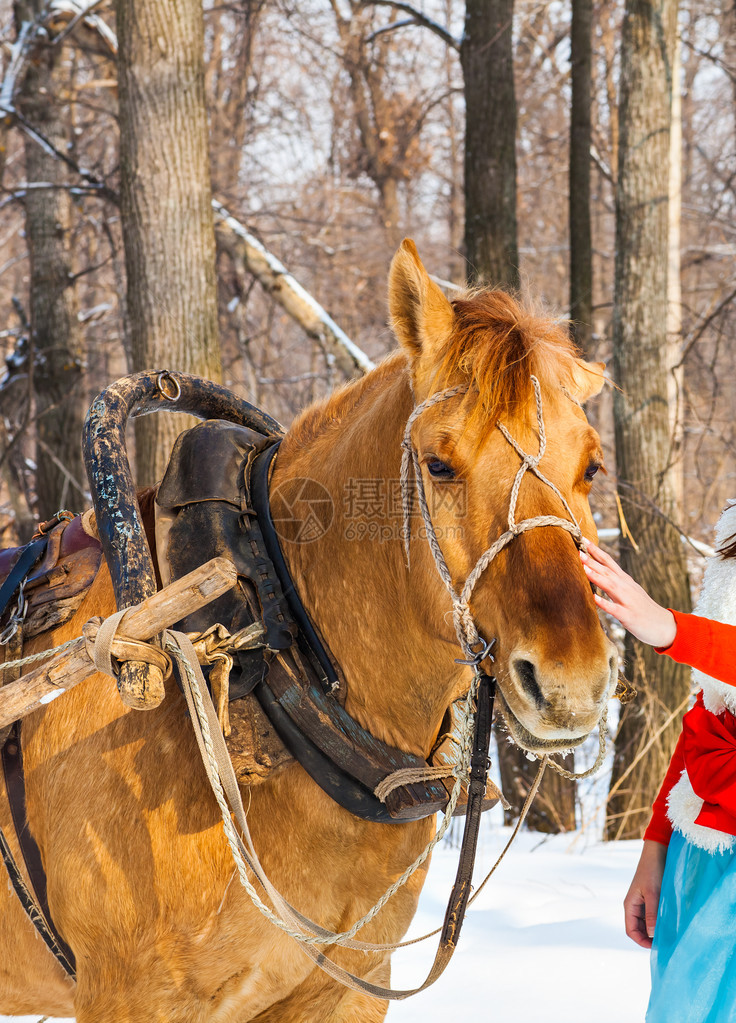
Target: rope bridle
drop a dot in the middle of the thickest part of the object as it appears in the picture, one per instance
(465, 627)
(476, 647)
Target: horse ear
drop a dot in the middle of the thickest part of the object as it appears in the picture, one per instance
(421, 316)
(588, 379)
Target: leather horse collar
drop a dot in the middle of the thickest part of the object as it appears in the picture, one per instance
(216, 484)
(345, 760)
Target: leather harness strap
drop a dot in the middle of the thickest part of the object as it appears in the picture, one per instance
(28, 557)
(35, 901)
(33, 897)
(257, 487)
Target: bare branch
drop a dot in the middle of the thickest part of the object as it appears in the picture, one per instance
(16, 65)
(292, 297)
(68, 476)
(601, 164)
(698, 333)
(447, 285)
(418, 18)
(18, 194)
(81, 13)
(711, 56)
(33, 133)
(391, 27)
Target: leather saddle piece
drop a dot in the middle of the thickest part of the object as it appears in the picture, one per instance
(200, 495)
(56, 585)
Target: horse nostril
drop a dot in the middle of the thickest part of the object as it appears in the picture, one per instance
(528, 677)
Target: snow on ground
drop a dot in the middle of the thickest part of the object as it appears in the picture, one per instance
(544, 940)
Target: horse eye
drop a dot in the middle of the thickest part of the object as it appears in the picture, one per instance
(440, 470)
(591, 471)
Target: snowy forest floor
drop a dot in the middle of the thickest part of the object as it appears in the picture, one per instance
(544, 941)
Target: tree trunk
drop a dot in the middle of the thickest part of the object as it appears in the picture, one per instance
(56, 350)
(581, 249)
(646, 475)
(553, 809)
(486, 55)
(728, 18)
(675, 371)
(166, 208)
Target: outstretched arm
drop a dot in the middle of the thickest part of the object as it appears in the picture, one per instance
(626, 601)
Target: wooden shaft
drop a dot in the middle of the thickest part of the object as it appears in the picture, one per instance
(118, 516)
(142, 622)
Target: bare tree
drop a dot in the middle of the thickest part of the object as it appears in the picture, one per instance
(166, 204)
(653, 551)
(581, 246)
(55, 357)
(486, 54)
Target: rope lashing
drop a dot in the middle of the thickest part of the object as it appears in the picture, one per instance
(44, 655)
(108, 650)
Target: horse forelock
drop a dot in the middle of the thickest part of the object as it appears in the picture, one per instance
(496, 345)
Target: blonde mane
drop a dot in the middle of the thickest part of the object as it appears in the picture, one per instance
(497, 345)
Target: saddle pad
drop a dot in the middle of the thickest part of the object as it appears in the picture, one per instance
(56, 586)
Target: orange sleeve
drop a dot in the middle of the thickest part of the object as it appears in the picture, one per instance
(660, 828)
(704, 644)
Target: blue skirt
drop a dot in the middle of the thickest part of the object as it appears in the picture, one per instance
(694, 951)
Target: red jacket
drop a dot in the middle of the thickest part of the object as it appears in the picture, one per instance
(707, 745)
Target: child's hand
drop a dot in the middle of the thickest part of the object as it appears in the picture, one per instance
(626, 601)
(642, 899)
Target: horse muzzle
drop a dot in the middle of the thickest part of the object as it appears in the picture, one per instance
(549, 711)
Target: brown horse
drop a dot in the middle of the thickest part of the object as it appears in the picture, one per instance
(141, 882)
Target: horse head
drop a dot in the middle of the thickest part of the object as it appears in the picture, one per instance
(476, 387)
(515, 388)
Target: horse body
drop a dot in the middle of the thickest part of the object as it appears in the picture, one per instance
(160, 926)
(141, 881)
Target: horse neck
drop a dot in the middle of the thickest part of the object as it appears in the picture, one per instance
(381, 622)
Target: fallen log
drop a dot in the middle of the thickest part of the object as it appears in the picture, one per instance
(67, 669)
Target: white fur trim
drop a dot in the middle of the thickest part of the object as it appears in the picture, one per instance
(683, 806)
(718, 601)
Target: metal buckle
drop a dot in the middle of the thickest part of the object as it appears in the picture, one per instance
(17, 616)
(477, 659)
(168, 386)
